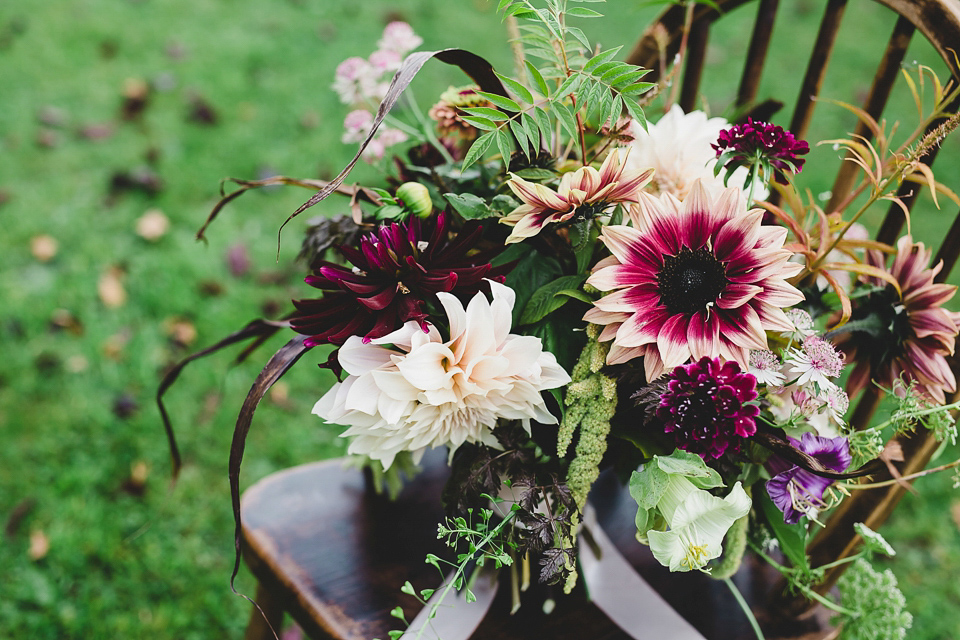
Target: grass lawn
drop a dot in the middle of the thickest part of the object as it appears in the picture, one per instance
(96, 543)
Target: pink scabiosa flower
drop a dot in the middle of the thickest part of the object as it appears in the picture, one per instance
(397, 272)
(773, 148)
(798, 492)
(701, 278)
(913, 334)
(585, 193)
(411, 389)
(705, 407)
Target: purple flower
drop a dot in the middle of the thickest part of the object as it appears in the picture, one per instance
(705, 407)
(754, 142)
(798, 492)
(397, 271)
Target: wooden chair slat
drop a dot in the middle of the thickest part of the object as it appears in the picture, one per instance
(696, 54)
(757, 53)
(817, 67)
(883, 82)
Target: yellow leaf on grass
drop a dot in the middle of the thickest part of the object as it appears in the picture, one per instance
(110, 288)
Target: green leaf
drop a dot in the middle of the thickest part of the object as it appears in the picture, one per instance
(566, 118)
(505, 144)
(635, 112)
(470, 596)
(792, 537)
(486, 112)
(576, 294)
(544, 300)
(533, 270)
(407, 588)
(583, 12)
(477, 149)
(520, 136)
(536, 174)
(570, 85)
(501, 101)
(606, 67)
(543, 122)
(469, 206)
(614, 111)
(537, 79)
(637, 88)
(629, 78)
(395, 634)
(516, 88)
(533, 133)
(480, 123)
(397, 612)
(600, 58)
(648, 485)
(691, 466)
(504, 204)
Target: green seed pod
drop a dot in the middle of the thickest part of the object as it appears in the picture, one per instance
(415, 198)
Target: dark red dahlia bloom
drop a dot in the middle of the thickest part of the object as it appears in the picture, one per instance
(744, 145)
(397, 271)
(705, 407)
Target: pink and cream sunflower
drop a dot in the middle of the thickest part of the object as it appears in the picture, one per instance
(586, 192)
(916, 333)
(692, 279)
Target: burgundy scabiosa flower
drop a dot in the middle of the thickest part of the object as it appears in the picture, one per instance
(705, 407)
(914, 334)
(397, 270)
(692, 279)
(798, 492)
(760, 143)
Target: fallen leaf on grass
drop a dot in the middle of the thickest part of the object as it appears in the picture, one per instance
(143, 179)
(136, 484)
(43, 247)
(136, 98)
(114, 345)
(180, 331)
(152, 225)
(64, 320)
(110, 288)
(39, 545)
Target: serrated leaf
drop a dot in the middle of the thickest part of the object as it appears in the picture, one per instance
(615, 111)
(535, 174)
(628, 78)
(637, 88)
(520, 136)
(533, 133)
(486, 112)
(501, 101)
(544, 300)
(583, 12)
(633, 108)
(477, 149)
(570, 85)
(516, 88)
(580, 36)
(469, 206)
(484, 124)
(566, 118)
(506, 146)
(606, 67)
(538, 80)
(543, 121)
(600, 58)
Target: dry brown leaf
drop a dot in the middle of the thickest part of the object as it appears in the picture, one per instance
(114, 345)
(180, 331)
(39, 545)
(110, 288)
(43, 247)
(152, 225)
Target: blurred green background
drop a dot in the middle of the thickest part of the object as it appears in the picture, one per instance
(115, 111)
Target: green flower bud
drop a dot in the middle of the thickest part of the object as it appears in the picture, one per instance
(416, 198)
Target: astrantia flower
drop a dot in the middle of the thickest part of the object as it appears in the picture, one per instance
(765, 367)
(585, 192)
(692, 279)
(399, 37)
(448, 115)
(678, 148)
(745, 145)
(424, 391)
(798, 492)
(815, 362)
(916, 334)
(397, 271)
(705, 407)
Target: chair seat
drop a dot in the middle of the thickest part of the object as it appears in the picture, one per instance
(334, 555)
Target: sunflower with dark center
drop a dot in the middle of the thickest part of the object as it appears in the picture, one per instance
(396, 274)
(905, 336)
(705, 407)
(692, 279)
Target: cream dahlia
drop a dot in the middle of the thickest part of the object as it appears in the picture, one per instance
(692, 279)
(411, 389)
(585, 192)
(678, 147)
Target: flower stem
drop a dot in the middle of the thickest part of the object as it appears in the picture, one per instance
(907, 478)
(746, 608)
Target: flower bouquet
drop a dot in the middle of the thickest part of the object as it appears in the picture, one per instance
(549, 282)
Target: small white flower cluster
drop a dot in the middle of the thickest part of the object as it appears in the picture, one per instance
(802, 385)
(363, 83)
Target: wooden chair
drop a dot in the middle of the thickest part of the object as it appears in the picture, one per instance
(333, 554)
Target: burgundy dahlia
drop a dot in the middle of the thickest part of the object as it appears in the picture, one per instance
(798, 492)
(773, 147)
(705, 407)
(397, 272)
